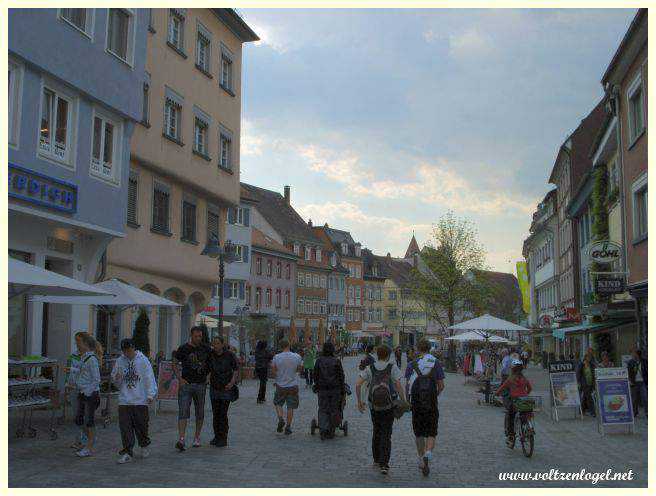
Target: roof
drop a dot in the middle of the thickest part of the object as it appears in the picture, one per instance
(509, 295)
(636, 28)
(413, 248)
(261, 240)
(337, 237)
(237, 25)
(282, 217)
(370, 261)
(245, 195)
(329, 247)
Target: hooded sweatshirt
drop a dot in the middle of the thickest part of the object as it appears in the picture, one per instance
(137, 383)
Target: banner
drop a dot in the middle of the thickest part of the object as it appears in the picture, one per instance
(524, 286)
(614, 396)
(564, 387)
(167, 383)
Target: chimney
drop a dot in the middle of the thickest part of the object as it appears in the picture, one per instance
(310, 223)
(325, 225)
(287, 195)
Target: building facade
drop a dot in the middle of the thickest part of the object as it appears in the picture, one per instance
(336, 322)
(184, 165)
(373, 305)
(69, 152)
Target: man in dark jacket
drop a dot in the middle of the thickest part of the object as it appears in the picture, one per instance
(330, 389)
(637, 368)
(224, 370)
(585, 375)
(262, 360)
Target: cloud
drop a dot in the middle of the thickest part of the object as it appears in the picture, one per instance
(250, 142)
(469, 43)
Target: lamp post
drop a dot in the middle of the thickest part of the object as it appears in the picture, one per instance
(224, 254)
(241, 311)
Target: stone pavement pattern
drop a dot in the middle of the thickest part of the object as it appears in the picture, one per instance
(470, 450)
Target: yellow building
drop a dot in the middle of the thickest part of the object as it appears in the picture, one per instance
(184, 166)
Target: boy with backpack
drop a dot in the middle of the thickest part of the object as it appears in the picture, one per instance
(383, 378)
(425, 385)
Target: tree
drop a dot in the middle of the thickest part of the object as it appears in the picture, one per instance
(141, 333)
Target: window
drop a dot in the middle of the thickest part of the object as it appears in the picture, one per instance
(203, 47)
(225, 157)
(297, 249)
(15, 78)
(258, 266)
(308, 280)
(308, 253)
(392, 295)
(635, 105)
(640, 208)
(145, 102)
(133, 198)
(173, 119)
(323, 282)
(268, 297)
(308, 307)
(104, 148)
(287, 297)
(247, 296)
(161, 198)
(278, 298)
(269, 270)
(200, 136)
(344, 249)
(239, 216)
(239, 253)
(188, 221)
(226, 69)
(176, 28)
(279, 269)
(318, 255)
(301, 279)
(315, 307)
(233, 290)
(258, 298)
(56, 121)
(81, 19)
(288, 272)
(333, 259)
(315, 280)
(119, 33)
(212, 222)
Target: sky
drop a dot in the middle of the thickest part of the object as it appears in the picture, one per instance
(381, 121)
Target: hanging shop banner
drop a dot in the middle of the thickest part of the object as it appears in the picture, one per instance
(564, 388)
(522, 277)
(609, 285)
(167, 383)
(614, 396)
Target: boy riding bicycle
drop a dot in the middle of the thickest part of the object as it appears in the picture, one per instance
(517, 386)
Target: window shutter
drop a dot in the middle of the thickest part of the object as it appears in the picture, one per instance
(247, 217)
(245, 253)
(212, 225)
(132, 200)
(242, 290)
(231, 215)
(226, 289)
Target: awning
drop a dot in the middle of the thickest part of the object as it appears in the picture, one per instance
(585, 328)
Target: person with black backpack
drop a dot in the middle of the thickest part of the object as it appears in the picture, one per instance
(329, 384)
(425, 385)
(383, 378)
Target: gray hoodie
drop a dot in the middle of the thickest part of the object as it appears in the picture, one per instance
(137, 382)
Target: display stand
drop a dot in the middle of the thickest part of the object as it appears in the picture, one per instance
(613, 403)
(564, 388)
(167, 383)
(29, 390)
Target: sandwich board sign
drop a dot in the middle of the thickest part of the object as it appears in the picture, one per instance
(614, 404)
(167, 383)
(564, 388)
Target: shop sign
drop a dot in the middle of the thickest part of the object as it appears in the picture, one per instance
(544, 321)
(609, 285)
(604, 252)
(42, 190)
(567, 314)
(613, 396)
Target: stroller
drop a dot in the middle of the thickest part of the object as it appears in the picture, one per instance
(314, 425)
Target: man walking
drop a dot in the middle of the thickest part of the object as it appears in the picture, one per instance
(193, 383)
(133, 374)
(309, 358)
(224, 371)
(262, 360)
(637, 368)
(285, 367)
(383, 379)
(425, 385)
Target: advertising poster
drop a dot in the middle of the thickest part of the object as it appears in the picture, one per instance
(167, 384)
(563, 384)
(613, 396)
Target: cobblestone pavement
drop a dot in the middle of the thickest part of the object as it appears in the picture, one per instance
(470, 451)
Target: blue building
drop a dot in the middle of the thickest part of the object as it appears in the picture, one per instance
(75, 92)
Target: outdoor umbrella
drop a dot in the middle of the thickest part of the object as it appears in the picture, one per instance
(478, 336)
(487, 322)
(28, 279)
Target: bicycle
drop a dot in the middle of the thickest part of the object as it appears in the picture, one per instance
(524, 408)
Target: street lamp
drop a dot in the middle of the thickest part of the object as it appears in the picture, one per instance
(225, 254)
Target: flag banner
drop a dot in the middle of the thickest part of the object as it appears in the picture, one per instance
(522, 277)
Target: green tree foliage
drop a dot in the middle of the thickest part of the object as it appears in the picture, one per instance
(140, 333)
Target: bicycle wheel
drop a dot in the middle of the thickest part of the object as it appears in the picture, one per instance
(528, 441)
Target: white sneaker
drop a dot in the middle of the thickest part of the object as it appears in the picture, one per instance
(196, 443)
(83, 453)
(145, 453)
(124, 458)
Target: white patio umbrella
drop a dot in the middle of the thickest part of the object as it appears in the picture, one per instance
(488, 323)
(28, 279)
(478, 336)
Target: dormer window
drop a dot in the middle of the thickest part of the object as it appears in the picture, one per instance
(374, 270)
(333, 259)
(297, 249)
(344, 249)
(357, 250)
(308, 253)
(318, 255)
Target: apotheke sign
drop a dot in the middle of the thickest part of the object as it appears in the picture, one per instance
(605, 252)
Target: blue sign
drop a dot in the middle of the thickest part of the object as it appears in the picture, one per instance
(43, 190)
(614, 396)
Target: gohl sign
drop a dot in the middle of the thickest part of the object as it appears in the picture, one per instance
(605, 252)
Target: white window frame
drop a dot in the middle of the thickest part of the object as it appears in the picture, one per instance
(117, 148)
(225, 135)
(308, 252)
(15, 103)
(234, 290)
(129, 55)
(228, 58)
(203, 34)
(201, 125)
(180, 15)
(638, 186)
(308, 280)
(88, 25)
(318, 255)
(239, 253)
(635, 86)
(297, 249)
(71, 135)
(176, 105)
(300, 279)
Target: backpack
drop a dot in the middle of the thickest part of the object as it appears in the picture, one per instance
(327, 377)
(380, 389)
(424, 390)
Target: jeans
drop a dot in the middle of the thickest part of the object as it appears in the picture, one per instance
(639, 396)
(133, 420)
(381, 441)
(262, 376)
(309, 377)
(330, 410)
(509, 419)
(220, 417)
(186, 394)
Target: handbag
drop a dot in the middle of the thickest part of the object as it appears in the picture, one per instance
(399, 407)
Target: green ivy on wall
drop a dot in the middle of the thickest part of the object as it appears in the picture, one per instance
(599, 210)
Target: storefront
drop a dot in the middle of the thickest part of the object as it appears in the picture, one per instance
(615, 336)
